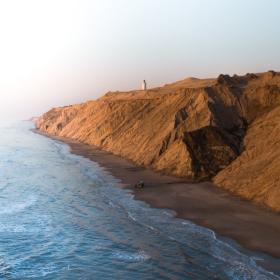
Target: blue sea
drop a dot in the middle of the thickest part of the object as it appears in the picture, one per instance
(63, 217)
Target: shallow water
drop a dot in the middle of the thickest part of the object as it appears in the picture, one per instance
(63, 217)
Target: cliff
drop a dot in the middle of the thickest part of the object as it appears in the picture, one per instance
(225, 129)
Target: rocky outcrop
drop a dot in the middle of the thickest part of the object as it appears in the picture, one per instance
(225, 129)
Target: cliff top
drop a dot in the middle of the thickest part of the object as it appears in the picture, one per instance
(191, 83)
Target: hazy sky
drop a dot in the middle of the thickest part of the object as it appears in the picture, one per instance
(58, 52)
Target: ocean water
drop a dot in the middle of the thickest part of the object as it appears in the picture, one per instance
(63, 217)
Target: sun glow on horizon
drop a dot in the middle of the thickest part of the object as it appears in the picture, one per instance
(40, 42)
(58, 52)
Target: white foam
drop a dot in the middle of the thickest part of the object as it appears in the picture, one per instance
(12, 228)
(131, 217)
(127, 256)
(14, 207)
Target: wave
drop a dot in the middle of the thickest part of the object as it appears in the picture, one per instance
(14, 207)
(129, 256)
(4, 268)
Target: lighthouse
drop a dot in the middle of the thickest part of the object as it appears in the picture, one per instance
(144, 85)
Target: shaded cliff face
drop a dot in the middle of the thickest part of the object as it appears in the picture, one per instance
(226, 129)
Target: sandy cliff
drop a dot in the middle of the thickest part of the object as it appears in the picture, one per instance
(225, 129)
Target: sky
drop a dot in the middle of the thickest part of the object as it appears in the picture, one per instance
(60, 52)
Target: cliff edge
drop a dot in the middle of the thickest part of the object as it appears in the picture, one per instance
(225, 129)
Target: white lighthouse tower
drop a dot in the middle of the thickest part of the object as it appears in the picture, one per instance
(144, 85)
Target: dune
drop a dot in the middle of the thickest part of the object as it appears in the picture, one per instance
(226, 130)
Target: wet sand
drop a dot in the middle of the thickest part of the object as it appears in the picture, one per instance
(253, 227)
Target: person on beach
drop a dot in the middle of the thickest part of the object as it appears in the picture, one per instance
(139, 185)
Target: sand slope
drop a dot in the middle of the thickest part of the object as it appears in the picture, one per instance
(226, 129)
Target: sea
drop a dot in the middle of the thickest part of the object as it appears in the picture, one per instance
(64, 217)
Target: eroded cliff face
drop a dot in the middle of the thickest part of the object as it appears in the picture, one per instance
(226, 129)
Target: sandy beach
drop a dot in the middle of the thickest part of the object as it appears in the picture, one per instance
(253, 227)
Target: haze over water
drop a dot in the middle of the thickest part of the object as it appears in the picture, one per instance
(60, 52)
(63, 217)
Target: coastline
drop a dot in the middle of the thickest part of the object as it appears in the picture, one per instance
(253, 227)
